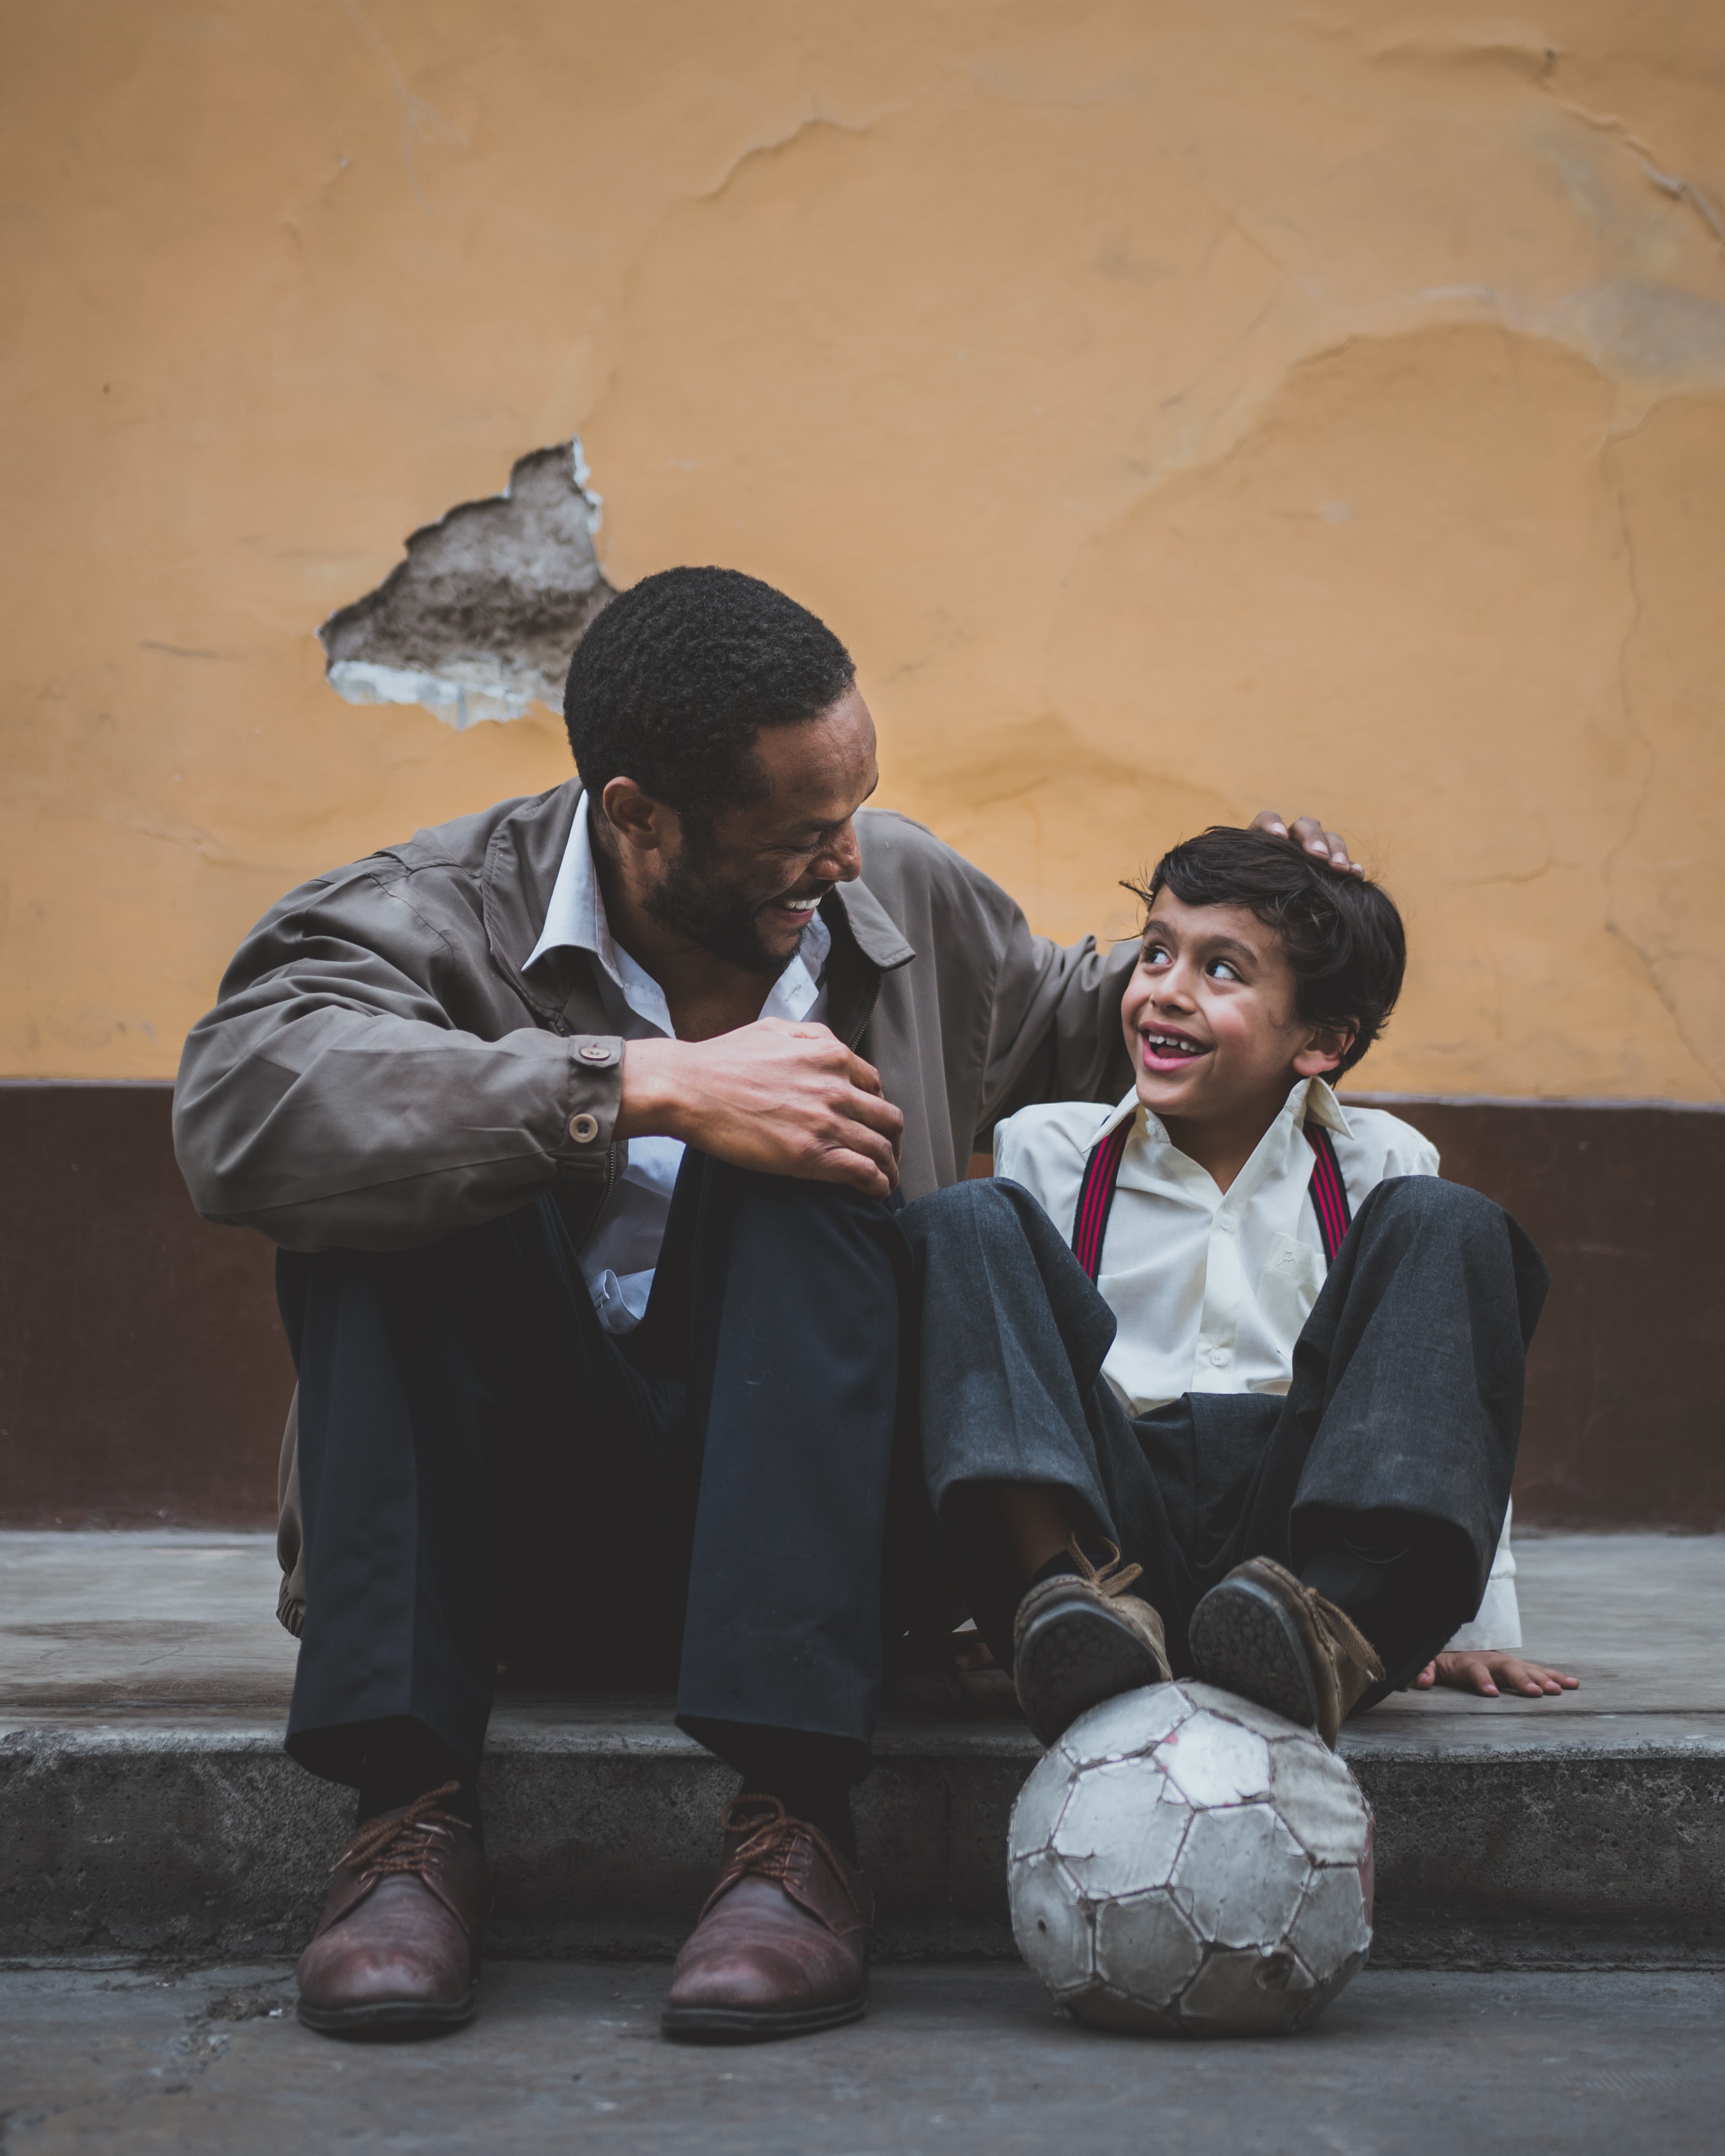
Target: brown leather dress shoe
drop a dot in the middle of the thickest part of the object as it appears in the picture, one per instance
(1261, 1633)
(397, 1949)
(781, 1948)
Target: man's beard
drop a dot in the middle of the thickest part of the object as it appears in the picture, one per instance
(718, 917)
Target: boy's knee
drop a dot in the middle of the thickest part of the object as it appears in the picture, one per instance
(1426, 1209)
(1428, 1202)
(984, 1208)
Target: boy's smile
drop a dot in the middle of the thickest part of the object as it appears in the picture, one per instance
(1211, 1015)
(1167, 1050)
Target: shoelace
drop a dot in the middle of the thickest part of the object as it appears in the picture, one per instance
(1344, 1639)
(1111, 1577)
(403, 1843)
(768, 1846)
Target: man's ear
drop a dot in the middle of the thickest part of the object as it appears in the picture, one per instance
(1322, 1054)
(636, 820)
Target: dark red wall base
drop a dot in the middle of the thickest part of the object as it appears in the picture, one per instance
(1625, 1420)
(144, 1376)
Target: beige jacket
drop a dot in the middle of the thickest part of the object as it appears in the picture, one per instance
(379, 1072)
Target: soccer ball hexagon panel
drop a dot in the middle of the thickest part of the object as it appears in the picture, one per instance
(1182, 1859)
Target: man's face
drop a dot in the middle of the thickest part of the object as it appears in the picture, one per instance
(1211, 1016)
(745, 886)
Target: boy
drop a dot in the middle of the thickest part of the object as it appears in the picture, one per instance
(1275, 1379)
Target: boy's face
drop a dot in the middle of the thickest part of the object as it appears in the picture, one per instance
(1211, 1017)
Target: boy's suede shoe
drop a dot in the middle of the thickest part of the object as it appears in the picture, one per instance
(1079, 1639)
(397, 1949)
(1260, 1633)
(781, 1948)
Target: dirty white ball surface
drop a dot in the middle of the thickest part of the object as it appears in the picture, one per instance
(1184, 1862)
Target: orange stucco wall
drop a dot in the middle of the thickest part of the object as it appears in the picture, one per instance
(1178, 408)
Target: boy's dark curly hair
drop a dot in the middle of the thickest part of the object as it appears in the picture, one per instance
(1342, 935)
(676, 677)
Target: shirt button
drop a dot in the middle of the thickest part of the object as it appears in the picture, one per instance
(583, 1129)
(595, 1051)
(560, 1026)
(1220, 1357)
(1227, 1222)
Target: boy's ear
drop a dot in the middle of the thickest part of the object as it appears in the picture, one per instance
(1322, 1054)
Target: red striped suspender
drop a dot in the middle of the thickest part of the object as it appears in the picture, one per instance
(1329, 1192)
(1101, 1172)
(1095, 1198)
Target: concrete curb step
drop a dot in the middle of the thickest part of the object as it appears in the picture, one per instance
(184, 1836)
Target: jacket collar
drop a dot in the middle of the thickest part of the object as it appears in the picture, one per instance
(523, 861)
(873, 929)
(526, 851)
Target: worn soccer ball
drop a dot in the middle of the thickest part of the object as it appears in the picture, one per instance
(1184, 1862)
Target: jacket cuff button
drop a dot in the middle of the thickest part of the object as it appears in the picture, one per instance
(583, 1129)
(594, 1051)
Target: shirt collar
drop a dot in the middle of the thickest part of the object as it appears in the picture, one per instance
(1321, 1106)
(575, 920)
(1311, 1100)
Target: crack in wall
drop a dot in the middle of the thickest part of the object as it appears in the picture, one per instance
(1668, 182)
(481, 619)
(1647, 957)
(417, 116)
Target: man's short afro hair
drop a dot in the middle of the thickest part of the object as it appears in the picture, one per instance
(673, 681)
(1342, 936)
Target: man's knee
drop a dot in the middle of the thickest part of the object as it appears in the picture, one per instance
(788, 1211)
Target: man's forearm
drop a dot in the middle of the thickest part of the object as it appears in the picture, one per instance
(364, 1132)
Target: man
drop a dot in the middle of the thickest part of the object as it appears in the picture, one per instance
(581, 1124)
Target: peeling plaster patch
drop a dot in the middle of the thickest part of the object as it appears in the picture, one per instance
(481, 619)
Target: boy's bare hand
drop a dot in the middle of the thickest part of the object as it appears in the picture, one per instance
(1308, 832)
(1492, 1672)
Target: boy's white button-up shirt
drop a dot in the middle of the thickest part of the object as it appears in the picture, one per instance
(1211, 1288)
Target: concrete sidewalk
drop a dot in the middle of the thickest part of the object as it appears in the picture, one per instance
(144, 1683)
(952, 2062)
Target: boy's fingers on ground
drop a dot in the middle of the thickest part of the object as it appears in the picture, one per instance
(1554, 1679)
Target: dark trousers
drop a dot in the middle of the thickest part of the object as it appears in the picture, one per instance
(726, 1499)
(1406, 1401)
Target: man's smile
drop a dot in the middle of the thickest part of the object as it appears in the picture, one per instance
(796, 907)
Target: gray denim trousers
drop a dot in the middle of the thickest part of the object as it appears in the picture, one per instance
(1406, 1398)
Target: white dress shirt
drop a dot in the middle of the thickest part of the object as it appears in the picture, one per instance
(619, 1256)
(1211, 1289)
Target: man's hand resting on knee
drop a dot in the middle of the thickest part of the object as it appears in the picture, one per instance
(787, 1099)
(1491, 1672)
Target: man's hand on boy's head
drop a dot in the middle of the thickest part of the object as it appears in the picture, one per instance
(1491, 1672)
(1306, 831)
